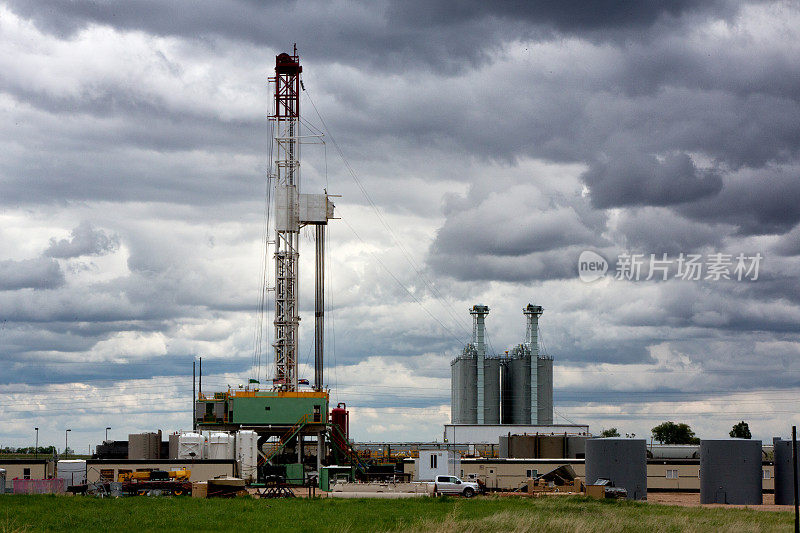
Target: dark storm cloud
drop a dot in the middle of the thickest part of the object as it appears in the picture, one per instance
(489, 243)
(106, 304)
(145, 120)
(712, 114)
(147, 154)
(617, 351)
(758, 202)
(566, 15)
(754, 361)
(96, 373)
(701, 309)
(84, 240)
(124, 175)
(515, 228)
(682, 60)
(510, 233)
(640, 179)
(17, 340)
(558, 264)
(648, 138)
(789, 244)
(660, 230)
(40, 273)
(382, 33)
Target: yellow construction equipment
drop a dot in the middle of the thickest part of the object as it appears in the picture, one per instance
(155, 475)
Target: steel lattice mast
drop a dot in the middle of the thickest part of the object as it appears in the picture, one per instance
(287, 230)
(293, 211)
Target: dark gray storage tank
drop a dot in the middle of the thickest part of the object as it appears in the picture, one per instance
(521, 390)
(784, 493)
(576, 447)
(503, 441)
(491, 386)
(544, 391)
(730, 471)
(623, 461)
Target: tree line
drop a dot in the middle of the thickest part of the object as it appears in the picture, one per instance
(30, 450)
(679, 433)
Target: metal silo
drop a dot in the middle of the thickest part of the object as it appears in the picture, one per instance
(469, 379)
(521, 389)
(784, 493)
(455, 394)
(506, 406)
(730, 471)
(491, 384)
(464, 393)
(623, 461)
(545, 391)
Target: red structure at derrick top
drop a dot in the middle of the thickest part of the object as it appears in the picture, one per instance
(287, 86)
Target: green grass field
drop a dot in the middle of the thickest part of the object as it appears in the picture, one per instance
(64, 513)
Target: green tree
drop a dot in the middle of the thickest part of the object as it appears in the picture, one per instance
(610, 432)
(740, 431)
(672, 433)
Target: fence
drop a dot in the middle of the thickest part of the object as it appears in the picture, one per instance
(40, 486)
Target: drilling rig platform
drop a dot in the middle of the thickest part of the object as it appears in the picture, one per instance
(285, 418)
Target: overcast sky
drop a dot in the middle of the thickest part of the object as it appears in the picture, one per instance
(490, 144)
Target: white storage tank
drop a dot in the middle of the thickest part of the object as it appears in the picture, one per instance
(72, 470)
(191, 446)
(247, 454)
(220, 446)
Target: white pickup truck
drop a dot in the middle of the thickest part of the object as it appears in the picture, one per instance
(454, 485)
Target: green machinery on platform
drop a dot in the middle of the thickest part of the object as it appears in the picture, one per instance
(247, 408)
(328, 475)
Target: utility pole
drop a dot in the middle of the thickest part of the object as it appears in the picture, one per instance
(36, 448)
(66, 442)
(794, 479)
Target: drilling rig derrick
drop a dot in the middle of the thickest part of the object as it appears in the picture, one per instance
(272, 411)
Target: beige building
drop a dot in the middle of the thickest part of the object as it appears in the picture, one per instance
(26, 469)
(510, 474)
